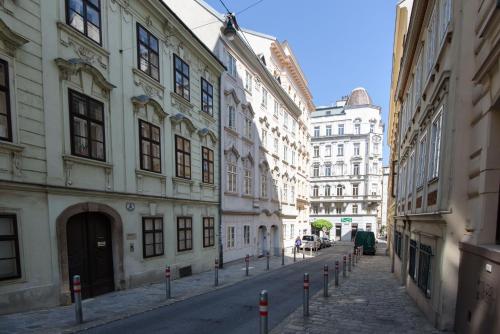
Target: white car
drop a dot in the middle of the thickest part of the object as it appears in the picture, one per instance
(310, 242)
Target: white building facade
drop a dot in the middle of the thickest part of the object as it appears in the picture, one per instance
(382, 226)
(346, 165)
(264, 137)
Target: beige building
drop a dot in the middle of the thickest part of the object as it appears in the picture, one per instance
(444, 152)
(109, 148)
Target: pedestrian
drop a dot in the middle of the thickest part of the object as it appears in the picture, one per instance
(298, 242)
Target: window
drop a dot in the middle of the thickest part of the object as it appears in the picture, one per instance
(294, 125)
(292, 230)
(293, 157)
(422, 148)
(413, 256)
(207, 97)
(375, 148)
(181, 78)
(231, 65)
(315, 209)
(355, 189)
(430, 41)
(152, 236)
(316, 131)
(246, 234)
(340, 149)
(328, 170)
(328, 130)
(85, 16)
(9, 248)
(375, 168)
(275, 188)
(5, 122)
(444, 17)
(327, 191)
(341, 129)
(435, 146)
(182, 157)
(248, 128)
(424, 269)
(230, 237)
(316, 170)
(316, 151)
(397, 243)
(248, 179)
(328, 150)
(357, 129)
(276, 146)
(354, 208)
(150, 146)
(372, 127)
(276, 109)
(263, 185)
(355, 169)
(184, 233)
(340, 168)
(374, 189)
(285, 152)
(292, 193)
(264, 98)
(231, 174)
(340, 189)
(264, 138)
(147, 53)
(328, 209)
(410, 173)
(356, 148)
(208, 232)
(231, 117)
(248, 81)
(338, 210)
(285, 120)
(87, 126)
(284, 194)
(315, 191)
(207, 165)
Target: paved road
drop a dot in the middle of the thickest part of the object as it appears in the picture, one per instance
(233, 309)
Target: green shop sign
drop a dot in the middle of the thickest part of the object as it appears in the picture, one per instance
(346, 220)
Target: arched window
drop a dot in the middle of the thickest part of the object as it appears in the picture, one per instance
(339, 190)
(354, 208)
(315, 191)
(327, 190)
(232, 174)
(248, 181)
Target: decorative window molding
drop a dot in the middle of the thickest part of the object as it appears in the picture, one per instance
(11, 40)
(73, 66)
(144, 100)
(207, 132)
(232, 93)
(180, 118)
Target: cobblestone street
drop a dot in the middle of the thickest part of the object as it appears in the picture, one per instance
(370, 300)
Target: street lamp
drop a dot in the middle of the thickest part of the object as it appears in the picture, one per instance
(231, 26)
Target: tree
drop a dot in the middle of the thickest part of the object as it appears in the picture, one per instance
(320, 223)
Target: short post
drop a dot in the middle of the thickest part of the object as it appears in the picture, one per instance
(263, 312)
(305, 299)
(304, 252)
(350, 263)
(294, 253)
(216, 273)
(344, 267)
(247, 261)
(337, 273)
(167, 283)
(354, 259)
(310, 251)
(267, 260)
(77, 294)
(361, 251)
(283, 256)
(325, 280)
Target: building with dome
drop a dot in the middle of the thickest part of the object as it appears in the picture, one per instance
(346, 166)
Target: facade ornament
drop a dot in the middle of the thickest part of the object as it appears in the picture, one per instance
(233, 94)
(142, 101)
(207, 132)
(180, 118)
(11, 40)
(73, 66)
(16, 163)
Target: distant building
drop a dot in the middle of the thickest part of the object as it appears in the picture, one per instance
(382, 226)
(346, 165)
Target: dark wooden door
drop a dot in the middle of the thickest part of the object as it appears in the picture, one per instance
(90, 253)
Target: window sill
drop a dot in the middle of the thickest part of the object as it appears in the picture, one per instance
(207, 116)
(83, 39)
(85, 161)
(275, 156)
(231, 131)
(181, 100)
(11, 147)
(177, 179)
(433, 180)
(155, 83)
(229, 193)
(208, 185)
(142, 172)
(248, 196)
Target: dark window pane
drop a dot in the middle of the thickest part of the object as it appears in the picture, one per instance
(93, 16)
(77, 6)
(153, 44)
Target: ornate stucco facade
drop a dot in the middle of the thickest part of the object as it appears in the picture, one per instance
(106, 161)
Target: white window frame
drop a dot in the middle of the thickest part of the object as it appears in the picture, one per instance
(230, 234)
(436, 128)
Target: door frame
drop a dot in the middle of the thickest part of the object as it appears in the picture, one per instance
(62, 245)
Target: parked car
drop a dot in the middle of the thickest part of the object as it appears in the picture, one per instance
(325, 242)
(367, 240)
(310, 242)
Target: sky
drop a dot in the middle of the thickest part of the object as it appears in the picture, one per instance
(340, 44)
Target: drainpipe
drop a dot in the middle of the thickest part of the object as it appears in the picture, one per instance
(221, 255)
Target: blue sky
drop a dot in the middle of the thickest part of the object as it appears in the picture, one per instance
(340, 44)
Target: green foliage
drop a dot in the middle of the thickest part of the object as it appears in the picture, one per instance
(320, 223)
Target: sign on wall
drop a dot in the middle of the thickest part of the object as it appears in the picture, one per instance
(346, 220)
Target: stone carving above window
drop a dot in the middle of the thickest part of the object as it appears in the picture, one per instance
(10, 39)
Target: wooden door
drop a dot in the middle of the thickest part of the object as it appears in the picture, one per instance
(90, 253)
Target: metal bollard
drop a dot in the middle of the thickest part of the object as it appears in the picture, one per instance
(305, 298)
(325, 280)
(167, 283)
(354, 259)
(267, 260)
(77, 294)
(216, 273)
(304, 252)
(344, 266)
(337, 273)
(294, 254)
(247, 261)
(311, 251)
(283, 256)
(350, 263)
(263, 312)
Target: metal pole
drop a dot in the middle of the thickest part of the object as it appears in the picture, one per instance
(310, 251)
(263, 312)
(350, 263)
(325, 280)
(283, 256)
(304, 252)
(216, 273)
(267, 260)
(167, 283)
(247, 260)
(337, 273)
(77, 294)
(294, 253)
(354, 259)
(344, 267)
(305, 298)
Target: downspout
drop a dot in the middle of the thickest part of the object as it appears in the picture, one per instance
(221, 255)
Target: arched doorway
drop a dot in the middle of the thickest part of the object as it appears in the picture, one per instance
(275, 240)
(262, 241)
(90, 253)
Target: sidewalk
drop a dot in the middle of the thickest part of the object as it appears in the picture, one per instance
(369, 300)
(122, 304)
